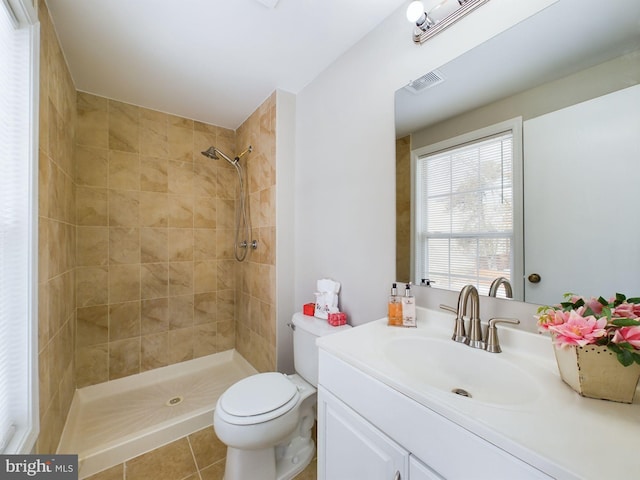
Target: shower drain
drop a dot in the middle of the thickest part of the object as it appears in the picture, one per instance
(172, 402)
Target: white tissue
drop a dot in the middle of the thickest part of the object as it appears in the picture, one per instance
(326, 297)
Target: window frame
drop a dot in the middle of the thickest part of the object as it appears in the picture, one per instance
(25, 17)
(515, 126)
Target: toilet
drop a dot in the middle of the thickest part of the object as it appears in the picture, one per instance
(266, 419)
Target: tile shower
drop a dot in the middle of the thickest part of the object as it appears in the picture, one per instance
(153, 285)
(136, 268)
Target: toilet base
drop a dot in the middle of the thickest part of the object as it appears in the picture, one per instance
(280, 463)
(295, 458)
(250, 464)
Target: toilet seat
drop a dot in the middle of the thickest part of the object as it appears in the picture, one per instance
(258, 398)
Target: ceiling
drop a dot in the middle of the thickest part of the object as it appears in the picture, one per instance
(567, 37)
(214, 61)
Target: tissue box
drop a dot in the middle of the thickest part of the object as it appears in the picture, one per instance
(309, 309)
(336, 319)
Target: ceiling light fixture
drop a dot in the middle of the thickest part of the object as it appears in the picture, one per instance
(440, 15)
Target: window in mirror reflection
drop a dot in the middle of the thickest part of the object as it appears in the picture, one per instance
(465, 222)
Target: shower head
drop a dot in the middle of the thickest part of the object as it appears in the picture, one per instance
(215, 154)
(211, 153)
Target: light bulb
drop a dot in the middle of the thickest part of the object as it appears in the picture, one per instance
(442, 9)
(415, 10)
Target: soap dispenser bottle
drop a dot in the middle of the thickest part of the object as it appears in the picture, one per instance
(395, 308)
(408, 308)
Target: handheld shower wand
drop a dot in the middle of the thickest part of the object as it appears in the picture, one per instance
(243, 225)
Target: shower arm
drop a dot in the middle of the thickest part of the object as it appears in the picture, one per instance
(248, 150)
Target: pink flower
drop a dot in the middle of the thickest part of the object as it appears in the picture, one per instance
(552, 317)
(594, 305)
(630, 335)
(579, 330)
(627, 310)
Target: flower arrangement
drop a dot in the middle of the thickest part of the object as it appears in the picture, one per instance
(584, 321)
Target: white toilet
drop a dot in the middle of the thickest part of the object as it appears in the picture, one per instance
(266, 419)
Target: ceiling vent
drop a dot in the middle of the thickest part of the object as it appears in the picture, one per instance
(428, 80)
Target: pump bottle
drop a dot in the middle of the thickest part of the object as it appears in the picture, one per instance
(395, 308)
(408, 308)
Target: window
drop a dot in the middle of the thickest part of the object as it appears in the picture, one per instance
(466, 209)
(18, 260)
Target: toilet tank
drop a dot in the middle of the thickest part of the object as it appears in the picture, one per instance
(305, 352)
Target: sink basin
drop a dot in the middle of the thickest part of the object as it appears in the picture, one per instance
(460, 370)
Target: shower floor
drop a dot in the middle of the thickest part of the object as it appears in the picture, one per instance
(115, 421)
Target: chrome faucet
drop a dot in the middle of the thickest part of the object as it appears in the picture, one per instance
(474, 338)
(469, 292)
(475, 330)
(493, 289)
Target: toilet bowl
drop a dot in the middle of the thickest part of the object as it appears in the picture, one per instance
(266, 419)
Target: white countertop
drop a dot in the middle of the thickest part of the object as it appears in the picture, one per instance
(553, 429)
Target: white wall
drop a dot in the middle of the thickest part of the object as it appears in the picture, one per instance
(344, 223)
(285, 201)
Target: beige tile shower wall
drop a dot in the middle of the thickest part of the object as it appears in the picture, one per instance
(56, 231)
(403, 209)
(256, 328)
(155, 278)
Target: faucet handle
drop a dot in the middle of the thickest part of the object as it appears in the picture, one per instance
(493, 343)
(459, 334)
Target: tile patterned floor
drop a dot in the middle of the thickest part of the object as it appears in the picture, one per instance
(199, 456)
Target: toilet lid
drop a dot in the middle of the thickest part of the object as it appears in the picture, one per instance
(265, 395)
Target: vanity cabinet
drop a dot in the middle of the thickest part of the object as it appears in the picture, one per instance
(419, 471)
(369, 431)
(352, 448)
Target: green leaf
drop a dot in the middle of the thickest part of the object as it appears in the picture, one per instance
(625, 357)
(614, 347)
(568, 306)
(620, 298)
(606, 312)
(602, 301)
(626, 346)
(633, 300)
(625, 322)
(625, 353)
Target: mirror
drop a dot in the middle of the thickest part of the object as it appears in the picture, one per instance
(560, 58)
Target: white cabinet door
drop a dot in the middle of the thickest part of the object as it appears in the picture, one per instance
(350, 448)
(419, 471)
